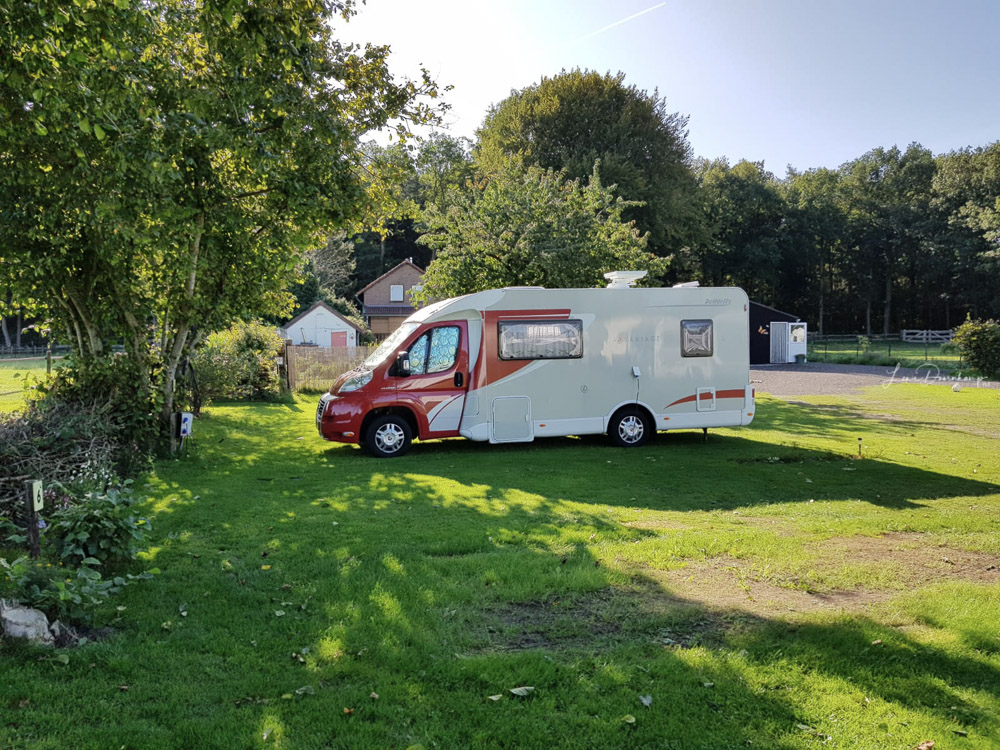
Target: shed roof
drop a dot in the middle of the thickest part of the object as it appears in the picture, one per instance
(316, 305)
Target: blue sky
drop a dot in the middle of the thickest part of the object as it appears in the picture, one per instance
(811, 83)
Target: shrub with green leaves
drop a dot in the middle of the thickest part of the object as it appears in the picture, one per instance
(59, 592)
(101, 529)
(979, 342)
(238, 363)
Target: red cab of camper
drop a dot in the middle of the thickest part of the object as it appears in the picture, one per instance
(410, 387)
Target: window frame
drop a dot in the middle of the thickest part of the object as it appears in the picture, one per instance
(429, 332)
(402, 292)
(575, 322)
(711, 337)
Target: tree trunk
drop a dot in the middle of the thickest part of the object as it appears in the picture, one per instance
(821, 309)
(888, 303)
(6, 333)
(868, 315)
(381, 255)
(18, 327)
(173, 359)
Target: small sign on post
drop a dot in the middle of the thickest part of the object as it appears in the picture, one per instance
(34, 501)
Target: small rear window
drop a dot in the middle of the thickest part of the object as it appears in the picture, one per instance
(696, 338)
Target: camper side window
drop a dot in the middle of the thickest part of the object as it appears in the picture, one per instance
(540, 339)
(696, 338)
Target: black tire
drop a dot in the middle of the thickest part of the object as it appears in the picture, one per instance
(630, 427)
(388, 436)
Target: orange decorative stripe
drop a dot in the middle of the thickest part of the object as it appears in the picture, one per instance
(735, 393)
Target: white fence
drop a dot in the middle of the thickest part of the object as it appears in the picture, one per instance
(314, 368)
(927, 337)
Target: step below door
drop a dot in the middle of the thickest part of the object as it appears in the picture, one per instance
(512, 420)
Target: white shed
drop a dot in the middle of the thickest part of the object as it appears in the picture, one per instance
(321, 325)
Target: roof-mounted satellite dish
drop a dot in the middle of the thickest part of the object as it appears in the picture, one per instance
(623, 279)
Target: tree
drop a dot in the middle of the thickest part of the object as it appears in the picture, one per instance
(572, 120)
(163, 164)
(814, 229)
(966, 189)
(888, 201)
(744, 211)
(531, 227)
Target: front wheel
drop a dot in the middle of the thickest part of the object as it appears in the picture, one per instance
(630, 428)
(388, 436)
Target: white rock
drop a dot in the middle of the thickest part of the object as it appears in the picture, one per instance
(21, 622)
(957, 388)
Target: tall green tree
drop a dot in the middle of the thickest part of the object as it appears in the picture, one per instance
(888, 193)
(163, 163)
(577, 118)
(531, 227)
(744, 211)
(813, 234)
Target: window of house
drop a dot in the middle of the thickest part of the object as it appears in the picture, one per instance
(396, 293)
(696, 338)
(540, 339)
(435, 351)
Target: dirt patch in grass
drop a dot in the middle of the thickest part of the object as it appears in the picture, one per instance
(726, 583)
(702, 602)
(920, 560)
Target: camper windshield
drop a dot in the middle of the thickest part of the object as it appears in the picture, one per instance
(388, 347)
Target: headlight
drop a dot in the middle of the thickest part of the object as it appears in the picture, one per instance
(359, 380)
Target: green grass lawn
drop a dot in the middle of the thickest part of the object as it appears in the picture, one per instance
(763, 589)
(885, 353)
(12, 375)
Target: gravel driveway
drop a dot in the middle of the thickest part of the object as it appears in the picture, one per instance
(821, 379)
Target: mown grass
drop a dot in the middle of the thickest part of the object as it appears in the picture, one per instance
(12, 380)
(302, 579)
(885, 353)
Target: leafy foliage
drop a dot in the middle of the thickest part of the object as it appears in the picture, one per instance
(531, 227)
(59, 592)
(579, 117)
(238, 363)
(166, 162)
(100, 529)
(979, 342)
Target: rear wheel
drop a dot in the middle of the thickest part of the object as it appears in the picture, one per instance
(388, 436)
(630, 428)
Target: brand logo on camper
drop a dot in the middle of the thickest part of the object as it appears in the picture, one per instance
(635, 339)
(717, 301)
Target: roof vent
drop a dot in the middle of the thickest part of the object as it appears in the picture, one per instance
(623, 279)
(686, 285)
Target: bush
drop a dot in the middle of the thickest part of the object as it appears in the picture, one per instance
(979, 342)
(101, 529)
(238, 363)
(73, 449)
(58, 592)
(112, 387)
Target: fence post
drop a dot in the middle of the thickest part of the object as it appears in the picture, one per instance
(290, 364)
(32, 504)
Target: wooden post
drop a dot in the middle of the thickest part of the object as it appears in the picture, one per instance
(175, 428)
(33, 504)
(48, 359)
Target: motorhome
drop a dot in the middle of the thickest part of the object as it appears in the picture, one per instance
(512, 365)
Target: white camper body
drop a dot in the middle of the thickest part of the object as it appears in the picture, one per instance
(551, 362)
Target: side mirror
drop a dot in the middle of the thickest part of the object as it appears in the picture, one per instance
(403, 364)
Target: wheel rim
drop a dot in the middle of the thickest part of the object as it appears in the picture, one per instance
(390, 437)
(630, 430)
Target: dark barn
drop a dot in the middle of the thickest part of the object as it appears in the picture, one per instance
(761, 317)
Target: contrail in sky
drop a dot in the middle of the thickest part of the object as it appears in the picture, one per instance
(619, 23)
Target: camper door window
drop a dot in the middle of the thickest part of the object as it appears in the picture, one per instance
(696, 338)
(540, 339)
(435, 351)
